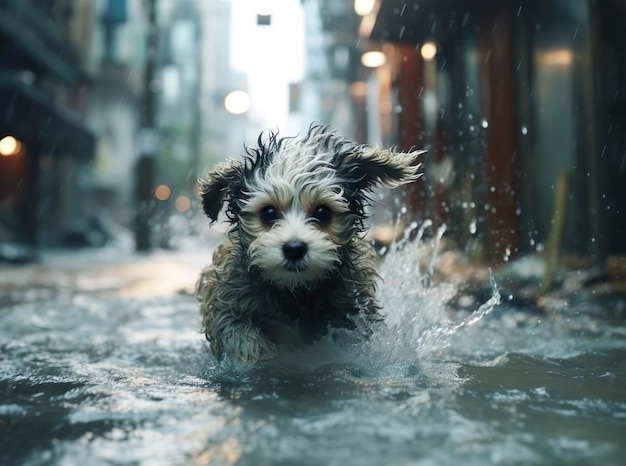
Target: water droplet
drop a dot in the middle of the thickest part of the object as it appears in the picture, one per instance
(524, 130)
(484, 123)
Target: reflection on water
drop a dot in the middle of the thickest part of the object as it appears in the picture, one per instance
(92, 378)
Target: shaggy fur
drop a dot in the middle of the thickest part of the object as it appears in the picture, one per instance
(295, 262)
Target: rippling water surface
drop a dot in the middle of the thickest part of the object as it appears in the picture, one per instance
(94, 377)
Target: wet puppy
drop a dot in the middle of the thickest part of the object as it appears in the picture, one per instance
(294, 263)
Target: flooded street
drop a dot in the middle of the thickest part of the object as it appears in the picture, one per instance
(102, 362)
(130, 129)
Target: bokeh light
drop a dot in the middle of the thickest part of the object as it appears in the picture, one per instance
(162, 192)
(237, 102)
(182, 203)
(9, 146)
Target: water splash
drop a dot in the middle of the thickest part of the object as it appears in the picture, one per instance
(418, 321)
(418, 316)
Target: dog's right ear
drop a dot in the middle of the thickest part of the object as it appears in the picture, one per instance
(214, 187)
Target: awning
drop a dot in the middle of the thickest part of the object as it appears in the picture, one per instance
(35, 44)
(413, 21)
(32, 117)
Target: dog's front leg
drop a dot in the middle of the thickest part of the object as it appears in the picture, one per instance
(242, 343)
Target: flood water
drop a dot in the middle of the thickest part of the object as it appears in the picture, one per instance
(93, 375)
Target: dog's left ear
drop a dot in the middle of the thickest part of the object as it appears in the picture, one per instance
(214, 187)
(368, 167)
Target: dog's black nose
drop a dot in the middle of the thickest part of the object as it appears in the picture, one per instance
(295, 250)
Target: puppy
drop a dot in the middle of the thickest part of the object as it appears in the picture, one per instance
(295, 262)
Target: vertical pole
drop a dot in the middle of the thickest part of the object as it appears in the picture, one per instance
(196, 126)
(597, 240)
(147, 140)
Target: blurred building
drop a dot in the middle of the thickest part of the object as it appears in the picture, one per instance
(520, 104)
(111, 113)
(45, 145)
(198, 125)
(332, 66)
(221, 133)
(116, 57)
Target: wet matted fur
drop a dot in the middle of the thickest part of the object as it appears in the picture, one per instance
(294, 263)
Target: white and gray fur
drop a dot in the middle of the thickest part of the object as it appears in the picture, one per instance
(294, 262)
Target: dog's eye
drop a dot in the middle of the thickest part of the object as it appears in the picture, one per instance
(322, 214)
(269, 214)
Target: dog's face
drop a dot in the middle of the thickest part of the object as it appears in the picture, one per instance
(295, 203)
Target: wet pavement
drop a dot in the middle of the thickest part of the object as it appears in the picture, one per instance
(102, 363)
(110, 271)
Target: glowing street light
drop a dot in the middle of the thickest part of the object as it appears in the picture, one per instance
(373, 59)
(363, 7)
(9, 146)
(237, 102)
(428, 51)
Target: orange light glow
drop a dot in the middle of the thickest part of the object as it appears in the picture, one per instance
(358, 89)
(162, 192)
(182, 203)
(428, 51)
(557, 58)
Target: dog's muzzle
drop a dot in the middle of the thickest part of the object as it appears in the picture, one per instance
(294, 251)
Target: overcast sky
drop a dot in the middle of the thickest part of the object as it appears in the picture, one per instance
(272, 56)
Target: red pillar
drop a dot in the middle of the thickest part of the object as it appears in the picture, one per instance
(410, 86)
(501, 159)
